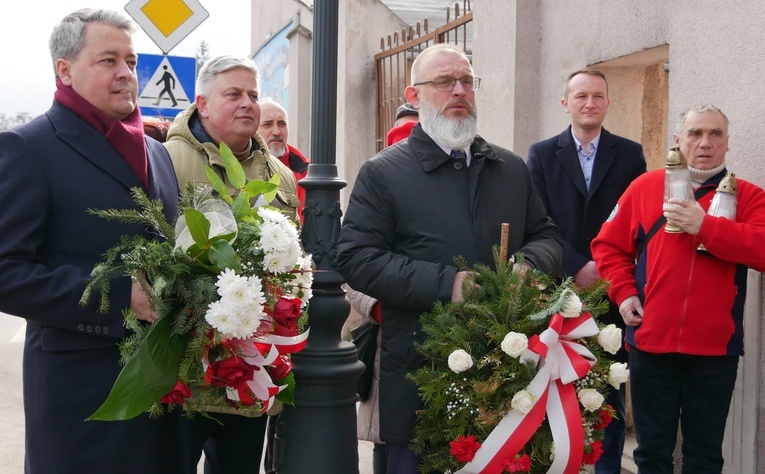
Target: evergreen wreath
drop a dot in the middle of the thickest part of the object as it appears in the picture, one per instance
(471, 380)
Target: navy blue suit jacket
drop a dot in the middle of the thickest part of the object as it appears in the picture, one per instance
(52, 170)
(557, 174)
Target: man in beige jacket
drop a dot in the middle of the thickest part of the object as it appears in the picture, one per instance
(226, 110)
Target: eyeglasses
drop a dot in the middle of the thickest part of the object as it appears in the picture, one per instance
(447, 85)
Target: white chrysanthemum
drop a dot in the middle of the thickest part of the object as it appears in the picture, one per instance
(271, 215)
(227, 278)
(273, 237)
(300, 287)
(233, 321)
(221, 317)
(257, 297)
(236, 288)
(282, 260)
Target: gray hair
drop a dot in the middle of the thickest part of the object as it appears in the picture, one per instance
(699, 108)
(436, 48)
(68, 37)
(221, 64)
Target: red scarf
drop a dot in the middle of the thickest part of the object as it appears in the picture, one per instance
(126, 136)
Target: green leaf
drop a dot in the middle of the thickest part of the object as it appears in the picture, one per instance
(271, 195)
(223, 256)
(198, 225)
(257, 186)
(287, 396)
(241, 206)
(234, 169)
(147, 377)
(218, 184)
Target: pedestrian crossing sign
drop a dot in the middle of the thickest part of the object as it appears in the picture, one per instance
(165, 84)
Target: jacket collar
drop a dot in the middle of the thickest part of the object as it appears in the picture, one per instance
(569, 159)
(92, 145)
(431, 156)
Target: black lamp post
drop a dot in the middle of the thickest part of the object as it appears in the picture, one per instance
(318, 434)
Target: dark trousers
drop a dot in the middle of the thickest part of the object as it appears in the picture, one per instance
(610, 462)
(695, 390)
(232, 444)
(401, 460)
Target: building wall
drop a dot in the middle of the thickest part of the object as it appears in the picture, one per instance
(269, 18)
(362, 24)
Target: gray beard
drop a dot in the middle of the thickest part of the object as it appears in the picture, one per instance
(278, 150)
(452, 133)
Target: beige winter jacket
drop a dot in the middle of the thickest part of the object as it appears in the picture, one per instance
(190, 157)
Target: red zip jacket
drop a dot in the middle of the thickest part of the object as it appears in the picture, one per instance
(693, 303)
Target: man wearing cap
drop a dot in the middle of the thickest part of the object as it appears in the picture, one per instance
(406, 118)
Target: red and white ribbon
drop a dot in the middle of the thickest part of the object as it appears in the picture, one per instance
(563, 361)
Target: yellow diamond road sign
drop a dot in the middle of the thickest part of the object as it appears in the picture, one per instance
(167, 22)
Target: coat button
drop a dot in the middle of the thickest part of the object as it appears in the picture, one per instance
(88, 328)
(97, 329)
(81, 327)
(106, 330)
(458, 165)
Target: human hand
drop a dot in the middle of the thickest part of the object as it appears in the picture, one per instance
(688, 215)
(139, 300)
(522, 269)
(587, 275)
(632, 311)
(457, 288)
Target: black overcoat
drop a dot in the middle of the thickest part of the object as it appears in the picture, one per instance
(412, 210)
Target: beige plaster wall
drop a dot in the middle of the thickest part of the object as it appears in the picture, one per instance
(362, 24)
(715, 56)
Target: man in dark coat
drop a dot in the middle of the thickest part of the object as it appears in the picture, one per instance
(580, 175)
(86, 152)
(419, 203)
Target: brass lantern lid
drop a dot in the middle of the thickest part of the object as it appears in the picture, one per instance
(728, 184)
(675, 159)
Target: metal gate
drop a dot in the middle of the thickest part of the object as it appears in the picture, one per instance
(393, 65)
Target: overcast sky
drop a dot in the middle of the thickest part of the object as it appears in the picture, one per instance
(26, 72)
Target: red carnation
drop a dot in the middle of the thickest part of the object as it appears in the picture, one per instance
(604, 419)
(520, 463)
(231, 372)
(281, 368)
(464, 448)
(178, 394)
(592, 452)
(286, 313)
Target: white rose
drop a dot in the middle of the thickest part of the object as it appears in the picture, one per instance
(618, 374)
(514, 344)
(571, 306)
(523, 402)
(590, 399)
(460, 361)
(610, 338)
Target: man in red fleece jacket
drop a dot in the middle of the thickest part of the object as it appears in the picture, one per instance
(683, 308)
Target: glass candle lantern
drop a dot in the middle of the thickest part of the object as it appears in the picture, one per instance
(677, 182)
(724, 202)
